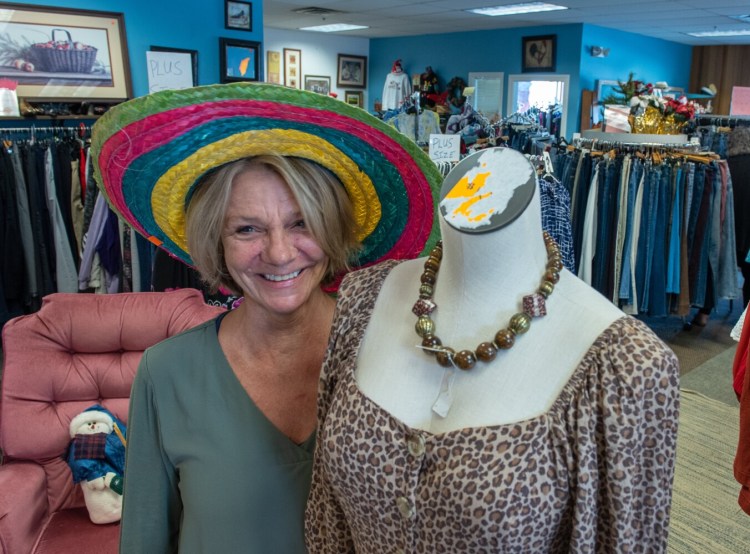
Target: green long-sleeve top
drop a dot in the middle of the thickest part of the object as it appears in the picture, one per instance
(206, 471)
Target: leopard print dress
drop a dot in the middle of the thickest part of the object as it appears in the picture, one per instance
(593, 474)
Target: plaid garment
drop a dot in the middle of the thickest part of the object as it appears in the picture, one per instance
(89, 447)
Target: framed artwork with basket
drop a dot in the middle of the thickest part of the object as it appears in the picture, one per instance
(65, 54)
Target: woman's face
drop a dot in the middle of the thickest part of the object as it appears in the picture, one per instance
(268, 249)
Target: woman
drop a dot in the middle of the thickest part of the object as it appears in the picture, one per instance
(268, 192)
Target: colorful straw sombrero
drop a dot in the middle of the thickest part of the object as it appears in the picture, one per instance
(151, 151)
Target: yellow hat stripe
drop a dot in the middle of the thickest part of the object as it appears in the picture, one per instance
(170, 191)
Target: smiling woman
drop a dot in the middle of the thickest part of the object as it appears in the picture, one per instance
(270, 192)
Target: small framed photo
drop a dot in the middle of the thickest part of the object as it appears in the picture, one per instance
(273, 67)
(318, 83)
(354, 98)
(352, 71)
(238, 15)
(538, 53)
(292, 67)
(238, 60)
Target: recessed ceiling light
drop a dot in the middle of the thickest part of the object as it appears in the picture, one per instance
(333, 28)
(512, 9)
(734, 33)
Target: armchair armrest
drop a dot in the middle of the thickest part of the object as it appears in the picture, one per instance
(23, 505)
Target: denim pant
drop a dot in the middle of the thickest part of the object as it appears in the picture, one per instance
(626, 285)
(606, 217)
(657, 305)
(675, 231)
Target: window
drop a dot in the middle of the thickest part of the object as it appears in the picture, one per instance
(539, 91)
(488, 93)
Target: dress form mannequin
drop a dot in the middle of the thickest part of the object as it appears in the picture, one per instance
(480, 285)
(563, 443)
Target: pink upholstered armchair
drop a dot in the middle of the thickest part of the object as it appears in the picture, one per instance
(78, 350)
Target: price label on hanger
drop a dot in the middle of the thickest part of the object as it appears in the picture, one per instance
(445, 148)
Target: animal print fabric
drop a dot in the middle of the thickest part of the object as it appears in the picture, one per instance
(594, 474)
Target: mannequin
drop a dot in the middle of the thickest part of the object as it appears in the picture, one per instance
(468, 277)
(397, 87)
(564, 442)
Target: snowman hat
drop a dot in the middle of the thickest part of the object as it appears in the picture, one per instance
(92, 415)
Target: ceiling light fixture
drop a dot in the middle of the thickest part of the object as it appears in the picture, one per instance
(715, 33)
(333, 28)
(513, 9)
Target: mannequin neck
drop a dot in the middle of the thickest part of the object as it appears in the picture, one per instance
(499, 266)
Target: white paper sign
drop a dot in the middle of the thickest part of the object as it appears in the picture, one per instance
(445, 148)
(169, 71)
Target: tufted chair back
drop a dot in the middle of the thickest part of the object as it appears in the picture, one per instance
(76, 351)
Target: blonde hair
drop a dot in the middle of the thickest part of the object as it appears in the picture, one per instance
(323, 201)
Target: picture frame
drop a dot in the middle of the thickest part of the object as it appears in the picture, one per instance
(273, 67)
(238, 15)
(352, 71)
(538, 53)
(238, 60)
(292, 67)
(193, 58)
(354, 98)
(318, 83)
(97, 71)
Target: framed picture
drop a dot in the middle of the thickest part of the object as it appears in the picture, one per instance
(238, 60)
(273, 67)
(538, 53)
(172, 64)
(354, 98)
(238, 15)
(292, 67)
(352, 71)
(64, 54)
(318, 83)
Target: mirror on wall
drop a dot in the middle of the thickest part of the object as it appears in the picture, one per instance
(546, 92)
(487, 98)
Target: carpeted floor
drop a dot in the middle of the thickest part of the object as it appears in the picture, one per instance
(705, 516)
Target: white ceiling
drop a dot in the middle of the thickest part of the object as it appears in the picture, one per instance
(665, 19)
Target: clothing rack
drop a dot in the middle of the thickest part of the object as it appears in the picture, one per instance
(721, 120)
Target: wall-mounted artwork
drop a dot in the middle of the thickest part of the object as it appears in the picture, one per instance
(538, 53)
(64, 53)
(238, 60)
(293, 67)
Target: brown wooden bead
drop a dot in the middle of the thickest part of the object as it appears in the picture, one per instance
(465, 360)
(432, 264)
(431, 342)
(504, 339)
(486, 352)
(552, 276)
(445, 356)
(428, 278)
(520, 323)
(557, 265)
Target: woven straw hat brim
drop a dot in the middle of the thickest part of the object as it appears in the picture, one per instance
(150, 152)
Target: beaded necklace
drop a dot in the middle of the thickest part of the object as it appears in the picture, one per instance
(533, 306)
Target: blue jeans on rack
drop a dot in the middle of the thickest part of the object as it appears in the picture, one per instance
(626, 285)
(673, 263)
(607, 204)
(644, 261)
(657, 305)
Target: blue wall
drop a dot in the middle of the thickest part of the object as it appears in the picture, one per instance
(456, 54)
(198, 24)
(191, 24)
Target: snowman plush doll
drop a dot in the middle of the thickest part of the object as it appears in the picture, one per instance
(97, 459)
